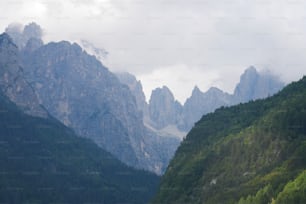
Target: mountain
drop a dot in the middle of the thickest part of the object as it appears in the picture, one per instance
(12, 82)
(43, 161)
(201, 103)
(248, 153)
(136, 89)
(82, 93)
(165, 111)
(161, 115)
(22, 34)
(167, 118)
(163, 108)
(99, 53)
(79, 91)
(164, 141)
(254, 85)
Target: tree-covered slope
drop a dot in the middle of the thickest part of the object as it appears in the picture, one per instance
(240, 153)
(42, 161)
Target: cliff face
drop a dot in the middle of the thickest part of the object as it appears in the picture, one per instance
(201, 103)
(12, 83)
(136, 89)
(254, 85)
(163, 109)
(79, 91)
(22, 34)
(167, 118)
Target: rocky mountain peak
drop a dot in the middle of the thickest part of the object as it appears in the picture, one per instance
(163, 108)
(33, 44)
(214, 90)
(250, 70)
(22, 34)
(12, 82)
(249, 76)
(8, 55)
(254, 85)
(6, 40)
(83, 94)
(136, 89)
(196, 91)
(33, 30)
(161, 95)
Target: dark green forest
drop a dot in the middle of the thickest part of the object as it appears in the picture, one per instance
(42, 161)
(248, 153)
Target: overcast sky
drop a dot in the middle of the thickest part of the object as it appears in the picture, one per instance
(178, 43)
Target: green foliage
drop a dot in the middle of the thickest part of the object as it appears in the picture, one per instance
(42, 161)
(294, 191)
(264, 195)
(245, 153)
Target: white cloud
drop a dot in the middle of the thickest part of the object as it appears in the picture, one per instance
(203, 36)
(178, 78)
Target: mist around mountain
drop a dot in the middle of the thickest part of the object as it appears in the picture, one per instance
(68, 123)
(82, 93)
(248, 153)
(252, 85)
(166, 116)
(22, 34)
(42, 160)
(99, 53)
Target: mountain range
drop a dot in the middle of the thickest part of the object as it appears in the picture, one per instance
(82, 93)
(63, 80)
(72, 131)
(166, 116)
(249, 153)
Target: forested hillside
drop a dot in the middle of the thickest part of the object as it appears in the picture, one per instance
(249, 153)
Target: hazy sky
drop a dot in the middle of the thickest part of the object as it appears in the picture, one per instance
(178, 43)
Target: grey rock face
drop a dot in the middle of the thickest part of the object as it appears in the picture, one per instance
(164, 111)
(254, 85)
(202, 103)
(32, 45)
(76, 89)
(159, 150)
(135, 87)
(79, 91)
(163, 108)
(162, 143)
(21, 35)
(12, 83)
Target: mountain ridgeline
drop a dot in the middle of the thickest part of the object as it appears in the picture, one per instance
(82, 93)
(165, 114)
(71, 131)
(248, 153)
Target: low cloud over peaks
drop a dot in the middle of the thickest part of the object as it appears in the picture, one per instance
(21, 34)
